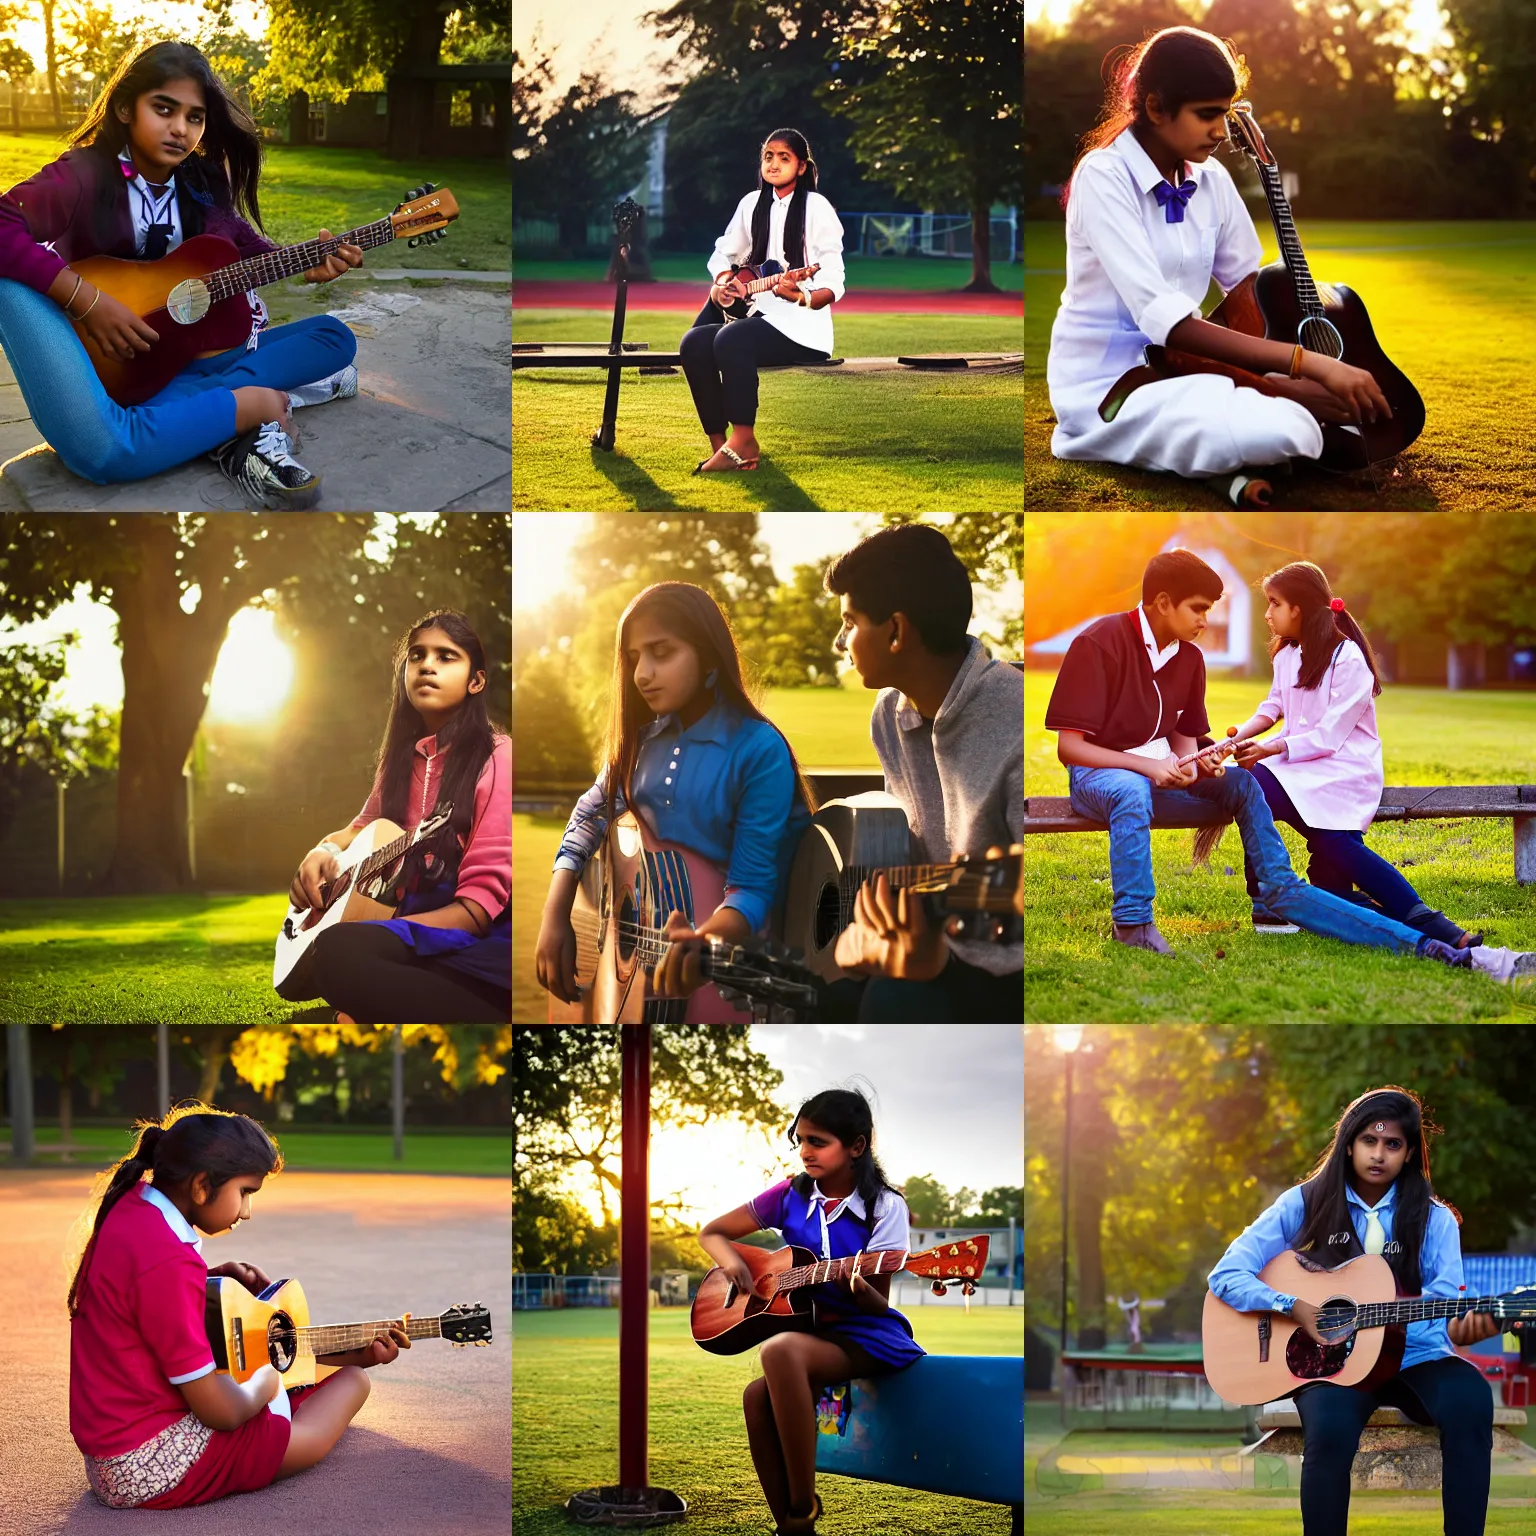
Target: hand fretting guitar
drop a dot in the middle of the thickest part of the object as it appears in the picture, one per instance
(194, 298)
(773, 274)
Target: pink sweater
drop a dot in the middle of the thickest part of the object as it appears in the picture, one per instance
(485, 870)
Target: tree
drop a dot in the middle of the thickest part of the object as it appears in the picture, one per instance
(931, 1205)
(16, 66)
(530, 79)
(552, 744)
(95, 38)
(943, 118)
(792, 646)
(553, 1234)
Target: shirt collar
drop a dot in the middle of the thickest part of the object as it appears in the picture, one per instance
(173, 1218)
(853, 1202)
(1146, 174)
(131, 172)
(909, 717)
(427, 746)
(1158, 658)
(1387, 1202)
(713, 725)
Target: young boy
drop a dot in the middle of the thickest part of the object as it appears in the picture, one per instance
(1129, 701)
(949, 730)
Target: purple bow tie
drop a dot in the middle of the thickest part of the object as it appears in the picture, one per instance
(1174, 200)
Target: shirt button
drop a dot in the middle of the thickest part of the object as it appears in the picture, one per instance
(669, 778)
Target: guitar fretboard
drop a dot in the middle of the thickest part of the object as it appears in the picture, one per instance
(338, 1338)
(1290, 243)
(290, 260)
(886, 1262)
(963, 890)
(1386, 1313)
(762, 284)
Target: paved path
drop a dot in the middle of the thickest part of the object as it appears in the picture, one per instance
(430, 430)
(430, 1453)
(688, 298)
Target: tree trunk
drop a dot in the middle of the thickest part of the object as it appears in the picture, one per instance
(411, 101)
(981, 250)
(214, 1044)
(168, 661)
(1093, 1134)
(47, 7)
(298, 117)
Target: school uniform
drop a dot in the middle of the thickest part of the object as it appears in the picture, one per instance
(835, 1228)
(721, 359)
(1123, 692)
(1434, 1385)
(138, 1335)
(1138, 264)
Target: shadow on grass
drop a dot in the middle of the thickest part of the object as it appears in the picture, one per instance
(632, 482)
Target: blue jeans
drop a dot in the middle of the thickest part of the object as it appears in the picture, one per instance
(104, 442)
(1339, 860)
(1128, 804)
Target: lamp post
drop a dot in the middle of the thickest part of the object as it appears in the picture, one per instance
(1068, 1037)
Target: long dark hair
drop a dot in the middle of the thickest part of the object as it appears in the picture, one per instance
(468, 738)
(193, 1138)
(1177, 65)
(690, 613)
(794, 220)
(845, 1112)
(1304, 586)
(226, 165)
(1327, 1207)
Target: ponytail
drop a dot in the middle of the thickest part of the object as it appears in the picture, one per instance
(1323, 626)
(193, 1138)
(794, 222)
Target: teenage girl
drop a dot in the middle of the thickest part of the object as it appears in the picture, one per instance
(1322, 774)
(158, 1428)
(165, 153)
(690, 753)
(841, 1204)
(1370, 1192)
(788, 221)
(447, 957)
(1151, 219)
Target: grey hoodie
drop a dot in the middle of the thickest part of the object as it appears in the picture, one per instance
(960, 776)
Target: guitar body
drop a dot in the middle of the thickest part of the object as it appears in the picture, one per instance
(725, 1321)
(637, 879)
(865, 831)
(247, 1332)
(1241, 1369)
(302, 926)
(146, 288)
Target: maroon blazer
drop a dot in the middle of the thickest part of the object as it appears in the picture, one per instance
(56, 216)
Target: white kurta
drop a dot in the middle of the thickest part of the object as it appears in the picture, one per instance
(1131, 277)
(1331, 766)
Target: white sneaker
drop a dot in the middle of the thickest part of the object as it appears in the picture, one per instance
(1503, 964)
(341, 385)
(262, 464)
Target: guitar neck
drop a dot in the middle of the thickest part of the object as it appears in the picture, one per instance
(763, 284)
(1290, 243)
(290, 260)
(338, 1338)
(886, 1262)
(962, 890)
(1386, 1314)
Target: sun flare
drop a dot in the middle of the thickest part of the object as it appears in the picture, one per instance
(254, 671)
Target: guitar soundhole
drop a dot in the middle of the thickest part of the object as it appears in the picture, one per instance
(829, 915)
(1319, 335)
(626, 926)
(1311, 1362)
(282, 1342)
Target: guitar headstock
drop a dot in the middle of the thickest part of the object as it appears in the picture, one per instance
(983, 898)
(1517, 1308)
(1247, 134)
(962, 1260)
(467, 1323)
(424, 215)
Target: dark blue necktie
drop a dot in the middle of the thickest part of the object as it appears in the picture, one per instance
(1174, 200)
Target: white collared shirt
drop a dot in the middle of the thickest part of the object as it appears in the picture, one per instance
(892, 1228)
(1158, 748)
(1131, 275)
(149, 203)
(823, 246)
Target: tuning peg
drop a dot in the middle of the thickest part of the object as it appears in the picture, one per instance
(967, 1287)
(939, 1288)
(428, 186)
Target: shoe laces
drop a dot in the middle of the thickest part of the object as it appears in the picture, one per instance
(274, 444)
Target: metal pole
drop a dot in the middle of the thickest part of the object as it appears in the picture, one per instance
(18, 1052)
(163, 1067)
(1013, 1239)
(1066, 1200)
(397, 1093)
(634, 1254)
(604, 436)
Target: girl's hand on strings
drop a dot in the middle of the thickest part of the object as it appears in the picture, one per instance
(381, 1351)
(727, 289)
(890, 933)
(1354, 388)
(319, 866)
(787, 288)
(678, 972)
(346, 256)
(739, 1273)
(1473, 1328)
(114, 328)
(555, 957)
(253, 1279)
(1304, 1315)
(1317, 398)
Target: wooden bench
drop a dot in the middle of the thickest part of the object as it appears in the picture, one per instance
(1394, 1451)
(1053, 813)
(949, 1424)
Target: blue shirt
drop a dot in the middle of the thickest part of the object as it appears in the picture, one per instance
(723, 787)
(1235, 1279)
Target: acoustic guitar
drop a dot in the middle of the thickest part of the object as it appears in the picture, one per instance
(1283, 303)
(755, 280)
(247, 1332)
(373, 874)
(727, 1321)
(194, 298)
(1257, 1357)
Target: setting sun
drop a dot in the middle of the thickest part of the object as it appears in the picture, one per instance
(254, 671)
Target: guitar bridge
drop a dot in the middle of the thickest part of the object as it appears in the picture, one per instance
(1266, 1327)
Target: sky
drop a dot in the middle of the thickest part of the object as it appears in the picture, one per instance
(606, 33)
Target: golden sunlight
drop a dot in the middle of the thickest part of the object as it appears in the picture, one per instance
(541, 542)
(254, 670)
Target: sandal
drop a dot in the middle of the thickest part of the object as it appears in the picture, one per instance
(803, 1525)
(732, 455)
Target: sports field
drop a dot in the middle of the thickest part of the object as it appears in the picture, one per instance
(864, 272)
(1450, 304)
(923, 441)
(1075, 972)
(565, 1426)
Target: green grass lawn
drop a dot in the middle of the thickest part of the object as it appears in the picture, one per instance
(828, 728)
(309, 188)
(923, 441)
(1451, 305)
(341, 1149)
(1075, 973)
(864, 272)
(565, 1426)
(141, 960)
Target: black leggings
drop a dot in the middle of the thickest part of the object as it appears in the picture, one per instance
(364, 970)
(1449, 1391)
(721, 362)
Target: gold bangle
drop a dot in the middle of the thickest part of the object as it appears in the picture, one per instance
(75, 294)
(89, 307)
(1296, 362)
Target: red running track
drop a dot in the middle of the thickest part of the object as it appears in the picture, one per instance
(688, 298)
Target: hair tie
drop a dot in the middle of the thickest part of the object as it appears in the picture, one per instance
(1337, 605)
